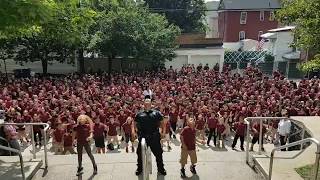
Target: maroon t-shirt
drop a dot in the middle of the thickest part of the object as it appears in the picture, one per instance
(58, 135)
(112, 128)
(173, 117)
(212, 123)
(127, 128)
(240, 128)
(98, 130)
(200, 124)
(189, 137)
(220, 128)
(122, 120)
(83, 132)
(67, 140)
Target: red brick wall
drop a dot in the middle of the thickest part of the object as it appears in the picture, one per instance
(229, 25)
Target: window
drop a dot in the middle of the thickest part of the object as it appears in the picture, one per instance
(243, 18)
(242, 35)
(259, 35)
(272, 16)
(261, 15)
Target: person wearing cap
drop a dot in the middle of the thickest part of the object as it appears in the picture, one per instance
(148, 122)
(284, 128)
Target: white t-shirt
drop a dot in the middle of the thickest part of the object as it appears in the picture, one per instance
(147, 92)
(284, 127)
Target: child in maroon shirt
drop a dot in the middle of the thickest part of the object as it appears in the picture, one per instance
(98, 136)
(112, 132)
(221, 132)
(165, 131)
(188, 148)
(212, 125)
(240, 128)
(127, 128)
(68, 143)
(58, 138)
(200, 126)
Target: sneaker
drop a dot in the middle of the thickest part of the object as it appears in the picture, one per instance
(79, 171)
(183, 173)
(138, 172)
(162, 172)
(193, 169)
(233, 148)
(95, 170)
(169, 148)
(127, 150)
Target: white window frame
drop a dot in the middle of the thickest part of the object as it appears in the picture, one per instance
(243, 17)
(242, 35)
(272, 16)
(261, 15)
(259, 34)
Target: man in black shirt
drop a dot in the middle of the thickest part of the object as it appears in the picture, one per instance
(147, 123)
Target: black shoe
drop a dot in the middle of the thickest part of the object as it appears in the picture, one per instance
(95, 170)
(193, 169)
(79, 171)
(138, 172)
(174, 137)
(242, 149)
(183, 173)
(162, 172)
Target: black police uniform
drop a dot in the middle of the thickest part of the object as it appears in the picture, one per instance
(148, 123)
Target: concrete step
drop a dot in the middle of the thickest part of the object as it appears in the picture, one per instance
(10, 167)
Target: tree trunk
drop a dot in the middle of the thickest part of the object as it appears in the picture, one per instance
(5, 68)
(44, 63)
(81, 61)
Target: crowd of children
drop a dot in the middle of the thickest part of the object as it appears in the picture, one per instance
(217, 101)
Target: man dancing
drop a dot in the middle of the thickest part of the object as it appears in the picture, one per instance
(147, 124)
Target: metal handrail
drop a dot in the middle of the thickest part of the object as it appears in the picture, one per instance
(303, 141)
(146, 159)
(20, 158)
(247, 121)
(4, 139)
(46, 127)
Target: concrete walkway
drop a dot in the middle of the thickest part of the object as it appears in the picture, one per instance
(213, 163)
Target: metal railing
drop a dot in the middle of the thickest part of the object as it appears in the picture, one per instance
(20, 158)
(301, 142)
(46, 127)
(8, 144)
(146, 159)
(261, 119)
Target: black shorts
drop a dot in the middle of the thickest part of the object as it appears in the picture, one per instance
(99, 142)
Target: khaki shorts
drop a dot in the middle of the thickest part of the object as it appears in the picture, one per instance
(184, 156)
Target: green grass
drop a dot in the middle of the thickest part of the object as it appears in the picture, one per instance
(305, 172)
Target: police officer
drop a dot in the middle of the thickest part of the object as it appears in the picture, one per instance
(147, 123)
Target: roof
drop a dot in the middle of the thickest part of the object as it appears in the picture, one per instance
(287, 28)
(212, 5)
(292, 55)
(249, 4)
(268, 35)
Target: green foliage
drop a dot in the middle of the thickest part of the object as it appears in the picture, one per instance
(21, 17)
(305, 14)
(130, 31)
(312, 65)
(187, 14)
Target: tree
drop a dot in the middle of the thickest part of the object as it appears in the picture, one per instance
(189, 15)
(19, 17)
(131, 31)
(7, 51)
(305, 15)
(57, 38)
